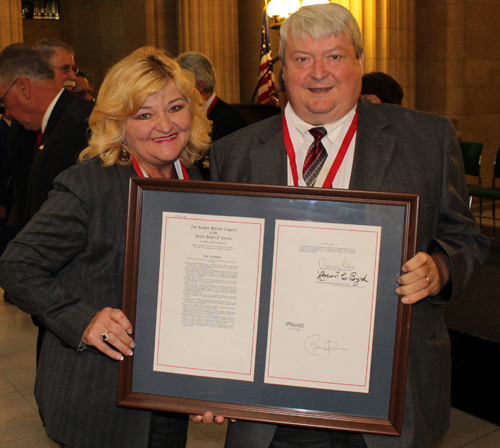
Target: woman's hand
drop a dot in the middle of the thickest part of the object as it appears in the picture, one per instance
(112, 324)
(208, 418)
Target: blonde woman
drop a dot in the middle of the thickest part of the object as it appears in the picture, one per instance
(66, 267)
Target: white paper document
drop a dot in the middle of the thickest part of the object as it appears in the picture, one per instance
(208, 295)
(322, 309)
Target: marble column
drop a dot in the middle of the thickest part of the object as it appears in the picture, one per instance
(11, 23)
(211, 27)
(388, 29)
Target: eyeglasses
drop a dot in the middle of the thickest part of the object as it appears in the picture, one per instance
(2, 100)
(66, 68)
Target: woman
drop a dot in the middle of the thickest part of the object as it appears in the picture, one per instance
(66, 267)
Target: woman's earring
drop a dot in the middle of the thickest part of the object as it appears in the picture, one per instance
(124, 155)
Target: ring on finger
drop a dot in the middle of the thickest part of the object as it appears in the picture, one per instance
(428, 279)
(105, 337)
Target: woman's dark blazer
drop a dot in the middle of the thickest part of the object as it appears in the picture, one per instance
(65, 266)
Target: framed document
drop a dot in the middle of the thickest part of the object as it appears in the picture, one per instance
(265, 303)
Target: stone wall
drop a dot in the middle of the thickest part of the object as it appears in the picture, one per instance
(11, 25)
(458, 69)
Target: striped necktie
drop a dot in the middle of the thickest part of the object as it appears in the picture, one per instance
(315, 158)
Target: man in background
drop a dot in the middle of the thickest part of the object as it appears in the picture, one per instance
(225, 118)
(82, 87)
(49, 130)
(379, 88)
(61, 56)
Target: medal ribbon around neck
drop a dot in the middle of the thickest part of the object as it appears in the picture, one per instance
(209, 108)
(338, 159)
(178, 166)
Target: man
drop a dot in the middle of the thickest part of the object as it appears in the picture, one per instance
(49, 130)
(61, 56)
(379, 87)
(82, 87)
(392, 149)
(225, 118)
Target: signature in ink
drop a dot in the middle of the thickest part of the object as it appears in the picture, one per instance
(314, 346)
(353, 277)
(322, 275)
(345, 266)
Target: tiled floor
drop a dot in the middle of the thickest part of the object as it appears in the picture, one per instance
(20, 426)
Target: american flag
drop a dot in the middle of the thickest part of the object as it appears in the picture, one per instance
(267, 85)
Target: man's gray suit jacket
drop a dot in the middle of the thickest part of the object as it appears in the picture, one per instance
(397, 150)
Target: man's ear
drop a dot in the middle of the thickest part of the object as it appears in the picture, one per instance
(200, 86)
(362, 61)
(24, 87)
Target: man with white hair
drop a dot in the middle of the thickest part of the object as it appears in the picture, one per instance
(329, 137)
(49, 130)
(225, 118)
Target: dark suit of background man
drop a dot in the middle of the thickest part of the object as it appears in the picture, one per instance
(396, 150)
(225, 118)
(39, 104)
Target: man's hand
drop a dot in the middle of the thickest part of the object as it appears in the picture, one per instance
(207, 418)
(112, 323)
(424, 276)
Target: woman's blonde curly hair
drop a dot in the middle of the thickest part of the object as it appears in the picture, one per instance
(125, 88)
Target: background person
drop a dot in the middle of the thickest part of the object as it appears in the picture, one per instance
(66, 266)
(62, 57)
(225, 118)
(392, 149)
(49, 131)
(82, 87)
(379, 88)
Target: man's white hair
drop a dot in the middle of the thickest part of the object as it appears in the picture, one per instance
(200, 66)
(320, 22)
